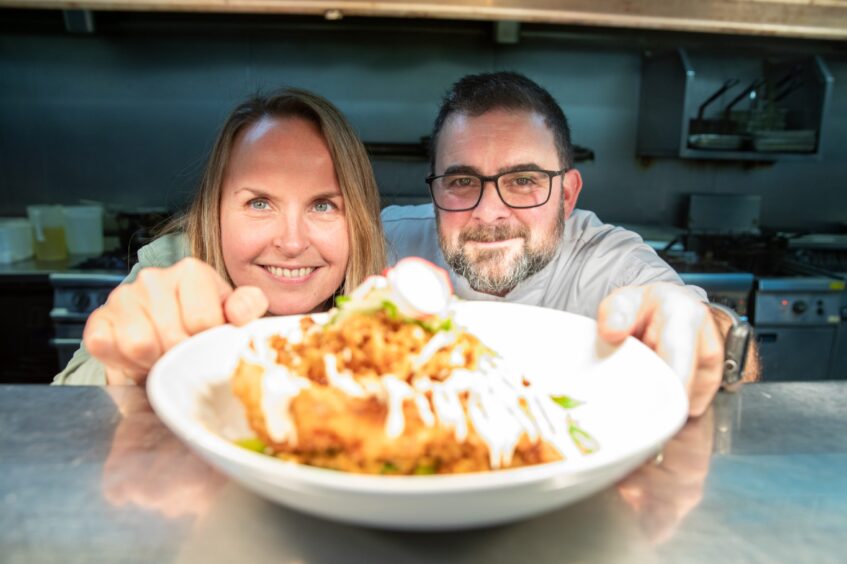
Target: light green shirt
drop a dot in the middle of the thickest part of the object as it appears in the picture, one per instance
(165, 251)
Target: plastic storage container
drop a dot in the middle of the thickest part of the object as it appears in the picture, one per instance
(84, 229)
(15, 240)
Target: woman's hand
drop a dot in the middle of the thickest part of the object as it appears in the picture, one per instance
(164, 306)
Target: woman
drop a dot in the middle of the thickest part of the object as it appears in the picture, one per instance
(286, 217)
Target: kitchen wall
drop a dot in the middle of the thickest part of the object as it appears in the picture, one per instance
(127, 114)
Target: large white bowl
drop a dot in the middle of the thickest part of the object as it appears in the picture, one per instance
(633, 403)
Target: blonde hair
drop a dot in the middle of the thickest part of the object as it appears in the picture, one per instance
(201, 223)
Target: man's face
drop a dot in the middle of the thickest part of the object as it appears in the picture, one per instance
(494, 246)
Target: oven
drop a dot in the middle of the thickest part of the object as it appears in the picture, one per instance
(825, 254)
(796, 311)
(75, 296)
(723, 283)
(797, 324)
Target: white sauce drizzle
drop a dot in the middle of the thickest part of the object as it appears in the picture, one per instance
(397, 391)
(438, 341)
(343, 381)
(279, 387)
(495, 392)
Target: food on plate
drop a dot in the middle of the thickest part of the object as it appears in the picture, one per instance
(386, 383)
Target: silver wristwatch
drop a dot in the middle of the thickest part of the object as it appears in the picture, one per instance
(736, 345)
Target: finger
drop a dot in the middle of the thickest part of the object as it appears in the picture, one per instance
(679, 319)
(201, 293)
(160, 293)
(135, 334)
(709, 370)
(618, 314)
(245, 304)
(101, 341)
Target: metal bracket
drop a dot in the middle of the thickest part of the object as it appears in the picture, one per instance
(78, 21)
(507, 32)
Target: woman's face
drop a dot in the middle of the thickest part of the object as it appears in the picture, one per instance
(283, 226)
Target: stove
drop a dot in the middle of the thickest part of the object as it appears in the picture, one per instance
(722, 282)
(797, 309)
(77, 293)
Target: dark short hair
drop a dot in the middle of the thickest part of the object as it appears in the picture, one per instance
(476, 94)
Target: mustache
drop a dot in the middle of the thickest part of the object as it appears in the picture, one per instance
(492, 233)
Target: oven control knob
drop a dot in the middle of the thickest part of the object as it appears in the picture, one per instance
(799, 307)
(80, 301)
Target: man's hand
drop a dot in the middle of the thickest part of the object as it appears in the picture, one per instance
(144, 319)
(680, 328)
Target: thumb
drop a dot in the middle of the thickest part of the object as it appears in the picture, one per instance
(617, 316)
(245, 304)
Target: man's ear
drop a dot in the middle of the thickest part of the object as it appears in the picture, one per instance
(571, 187)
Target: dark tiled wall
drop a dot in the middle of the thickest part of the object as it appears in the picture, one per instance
(128, 117)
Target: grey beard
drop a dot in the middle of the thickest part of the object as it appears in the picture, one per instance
(528, 263)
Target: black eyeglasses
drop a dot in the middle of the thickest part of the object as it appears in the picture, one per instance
(518, 189)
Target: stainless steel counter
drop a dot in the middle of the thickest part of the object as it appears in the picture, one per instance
(91, 475)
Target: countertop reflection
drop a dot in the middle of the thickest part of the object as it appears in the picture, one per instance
(91, 475)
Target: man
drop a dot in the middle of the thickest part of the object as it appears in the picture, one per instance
(504, 224)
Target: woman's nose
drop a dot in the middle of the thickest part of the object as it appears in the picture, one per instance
(292, 238)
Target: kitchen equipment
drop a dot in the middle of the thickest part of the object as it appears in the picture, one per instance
(15, 240)
(826, 254)
(702, 125)
(786, 141)
(724, 214)
(797, 321)
(84, 229)
(75, 296)
(48, 227)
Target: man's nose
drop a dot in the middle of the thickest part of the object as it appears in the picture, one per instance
(491, 207)
(292, 238)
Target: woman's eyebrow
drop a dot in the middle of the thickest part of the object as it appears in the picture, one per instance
(253, 191)
(328, 195)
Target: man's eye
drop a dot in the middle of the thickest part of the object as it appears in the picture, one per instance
(258, 204)
(462, 181)
(525, 181)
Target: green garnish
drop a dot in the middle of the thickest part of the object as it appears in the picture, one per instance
(436, 325)
(566, 402)
(389, 468)
(425, 469)
(341, 300)
(253, 443)
(391, 310)
(585, 442)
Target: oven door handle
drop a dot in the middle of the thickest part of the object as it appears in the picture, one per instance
(62, 342)
(62, 315)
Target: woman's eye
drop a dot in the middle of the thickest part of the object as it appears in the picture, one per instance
(258, 204)
(324, 206)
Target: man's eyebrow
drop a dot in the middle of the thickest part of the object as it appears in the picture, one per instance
(466, 169)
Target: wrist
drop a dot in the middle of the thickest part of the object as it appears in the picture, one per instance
(738, 336)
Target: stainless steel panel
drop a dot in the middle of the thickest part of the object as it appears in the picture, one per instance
(802, 353)
(797, 309)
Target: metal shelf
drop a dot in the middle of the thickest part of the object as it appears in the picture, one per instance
(671, 99)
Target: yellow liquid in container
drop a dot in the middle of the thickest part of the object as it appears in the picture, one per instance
(53, 246)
